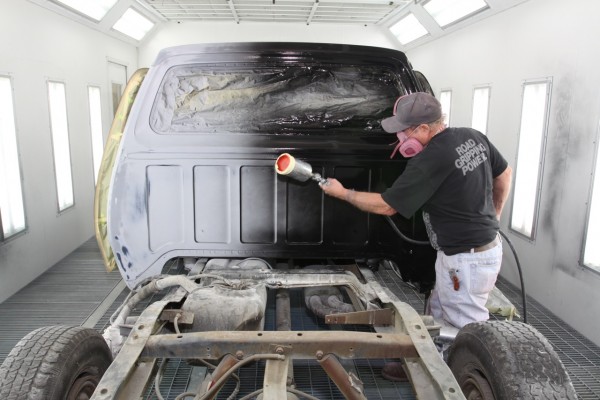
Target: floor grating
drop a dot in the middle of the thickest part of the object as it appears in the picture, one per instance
(62, 296)
(68, 293)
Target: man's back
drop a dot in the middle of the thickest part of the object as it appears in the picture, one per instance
(452, 180)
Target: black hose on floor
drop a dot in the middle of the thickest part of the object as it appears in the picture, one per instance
(523, 294)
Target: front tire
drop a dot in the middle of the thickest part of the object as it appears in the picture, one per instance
(501, 360)
(55, 363)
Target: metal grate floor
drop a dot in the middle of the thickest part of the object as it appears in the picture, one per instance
(72, 292)
(67, 294)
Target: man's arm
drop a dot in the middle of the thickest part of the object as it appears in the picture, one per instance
(365, 201)
(501, 189)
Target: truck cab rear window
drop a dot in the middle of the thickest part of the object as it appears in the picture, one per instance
(274, 100)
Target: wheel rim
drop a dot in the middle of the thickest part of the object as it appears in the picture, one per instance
(83, 387)
(475, 386)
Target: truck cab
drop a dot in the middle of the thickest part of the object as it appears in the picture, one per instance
(195, 177)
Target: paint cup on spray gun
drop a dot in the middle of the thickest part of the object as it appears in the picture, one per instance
(299, 170)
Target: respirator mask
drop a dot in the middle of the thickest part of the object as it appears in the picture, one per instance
(407, 145)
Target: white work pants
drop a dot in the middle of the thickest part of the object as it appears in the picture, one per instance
(463, 284)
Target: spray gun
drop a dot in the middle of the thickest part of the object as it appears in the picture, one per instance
(301, 171)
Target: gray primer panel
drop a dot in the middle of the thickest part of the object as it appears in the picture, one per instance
(212, 204)
(165, 205)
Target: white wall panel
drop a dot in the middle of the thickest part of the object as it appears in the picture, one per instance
(37, 45)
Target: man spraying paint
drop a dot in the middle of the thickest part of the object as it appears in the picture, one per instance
(461, 182)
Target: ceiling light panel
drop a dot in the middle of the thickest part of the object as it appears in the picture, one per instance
(133, 24)
(446, 12)
(95, 9)
(364, 12)
(408, 29)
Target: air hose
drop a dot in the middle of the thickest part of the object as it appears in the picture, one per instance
(426, 242)
(523, 294)
(403, 236)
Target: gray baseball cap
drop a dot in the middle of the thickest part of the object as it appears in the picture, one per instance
(412, 110)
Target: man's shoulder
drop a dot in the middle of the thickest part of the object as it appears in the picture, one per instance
(462, 131)
(451, 138)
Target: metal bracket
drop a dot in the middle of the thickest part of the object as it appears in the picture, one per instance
(371, 317)
(275, 379)
(111, 385)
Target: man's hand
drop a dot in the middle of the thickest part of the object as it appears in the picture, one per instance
(334, 188)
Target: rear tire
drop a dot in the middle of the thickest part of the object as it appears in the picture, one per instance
(501, 360)
(55, 363)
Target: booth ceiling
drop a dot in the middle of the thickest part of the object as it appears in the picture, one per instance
(327, 11)
(412, 22)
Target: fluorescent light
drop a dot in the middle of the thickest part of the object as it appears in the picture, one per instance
(481, 104)
(95, 9)
(96, 128)
(11, 195)
(448, 11)
(408, 29)
(591, 256)
(529, 157)
(60, 141)
(133, 24)
(446, 101)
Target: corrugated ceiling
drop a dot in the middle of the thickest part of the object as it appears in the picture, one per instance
(305, 11)
(381, 13)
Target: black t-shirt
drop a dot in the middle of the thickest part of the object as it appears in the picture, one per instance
(452, 179)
